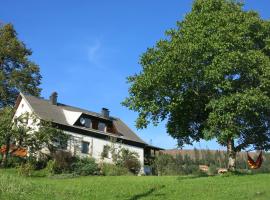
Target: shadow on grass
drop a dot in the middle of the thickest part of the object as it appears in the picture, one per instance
(148, 193)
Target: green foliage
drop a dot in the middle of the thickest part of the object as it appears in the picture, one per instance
(209, 78)
(50, 167)
(17, 72)
(49, 136)
(6, 132)
(63, 161)
(186, 165)
(15, 162)
(123, 157)
(26, 169)
(129, 160)
(212, 169)
(6, 124)
(168, 165)
(164, 164)
(21, 129)
(85, 166)
(114, 170)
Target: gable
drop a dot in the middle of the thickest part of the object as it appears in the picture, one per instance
(71, 116)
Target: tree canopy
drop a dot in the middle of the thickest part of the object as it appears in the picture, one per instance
(22, 132)
(210, 78)
(17, 72)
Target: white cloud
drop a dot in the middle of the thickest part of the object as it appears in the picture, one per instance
(94, 52)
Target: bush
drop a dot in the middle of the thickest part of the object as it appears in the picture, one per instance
(114, 170)
(212, 170)
(164, 164)
(85, 166)
(26, 169)
(128, 160)
(15, 161)
(63, 161)
(191, 169)
(50, 168)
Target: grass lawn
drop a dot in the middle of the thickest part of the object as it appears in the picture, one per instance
(245, 187)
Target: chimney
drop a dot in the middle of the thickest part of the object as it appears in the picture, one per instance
(53, 98)
(105, 112)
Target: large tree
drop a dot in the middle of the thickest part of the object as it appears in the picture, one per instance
(210, 78)
(6, 132)
(17, 72)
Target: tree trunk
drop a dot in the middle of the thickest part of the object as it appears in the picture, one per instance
(5, 156)
(232, 155)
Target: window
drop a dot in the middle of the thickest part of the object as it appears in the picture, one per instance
(86, 122)
(105, 152)
(63, 145)
(101, 126)
(85, 147)
(59, 144)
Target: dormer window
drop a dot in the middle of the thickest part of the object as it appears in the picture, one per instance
(101, 126)
(86, 122)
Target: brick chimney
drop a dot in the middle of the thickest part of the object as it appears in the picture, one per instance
(53, 98)
(105, 112)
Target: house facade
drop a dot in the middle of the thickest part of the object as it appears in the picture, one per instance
(90, 132)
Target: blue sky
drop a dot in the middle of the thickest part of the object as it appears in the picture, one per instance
(86, 49)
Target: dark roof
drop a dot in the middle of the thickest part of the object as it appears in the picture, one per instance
(47, 111)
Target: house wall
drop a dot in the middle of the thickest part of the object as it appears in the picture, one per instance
(25, 108)
(22, 108)
(96, 146)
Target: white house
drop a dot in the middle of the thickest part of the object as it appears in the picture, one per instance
(90, 132)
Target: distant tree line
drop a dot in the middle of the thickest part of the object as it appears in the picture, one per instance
(184, 163)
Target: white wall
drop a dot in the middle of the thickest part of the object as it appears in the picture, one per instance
(25, 108)
(22, 108)
(96, 146)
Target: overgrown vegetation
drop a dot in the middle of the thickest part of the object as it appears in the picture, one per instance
(123, 160)
(184, 164)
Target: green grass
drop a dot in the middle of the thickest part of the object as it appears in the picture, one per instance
(243, 187)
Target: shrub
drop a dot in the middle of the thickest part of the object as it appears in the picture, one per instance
(26, 169)
(63, 161)
(191, 169)
(129, 160)
(212, 170)
(50, 168)
(15, 161)
(164, 164)
(41, 164)
(114, 170)
(85, 166)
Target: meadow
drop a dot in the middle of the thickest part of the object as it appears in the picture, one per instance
(15, 187)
